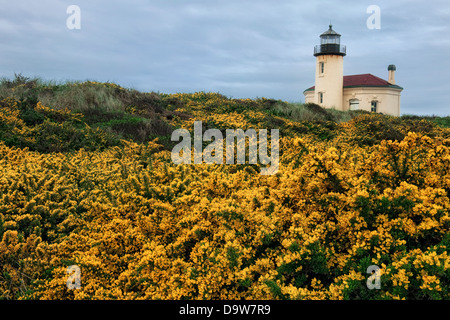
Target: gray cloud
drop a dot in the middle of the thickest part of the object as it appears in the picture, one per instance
(238, 48)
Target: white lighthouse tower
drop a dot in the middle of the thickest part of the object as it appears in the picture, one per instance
(329, 70)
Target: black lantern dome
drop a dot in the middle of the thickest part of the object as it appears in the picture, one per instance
(330, 43)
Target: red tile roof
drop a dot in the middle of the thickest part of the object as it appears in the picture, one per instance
(364, 80)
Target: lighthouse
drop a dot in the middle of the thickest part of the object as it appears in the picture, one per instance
(329, 70)
(354, 92)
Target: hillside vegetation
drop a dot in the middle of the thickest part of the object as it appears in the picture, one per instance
(86, 179)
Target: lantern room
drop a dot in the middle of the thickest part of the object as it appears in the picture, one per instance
(330, 43)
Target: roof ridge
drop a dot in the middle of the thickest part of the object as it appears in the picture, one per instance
(363, 74)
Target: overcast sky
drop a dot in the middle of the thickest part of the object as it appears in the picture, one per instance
(240, 48)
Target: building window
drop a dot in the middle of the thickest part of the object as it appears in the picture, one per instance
(321, 67)
(354, 104)
(320, 97)
(374, 106)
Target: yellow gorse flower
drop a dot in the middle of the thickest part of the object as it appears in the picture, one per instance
(140, 227)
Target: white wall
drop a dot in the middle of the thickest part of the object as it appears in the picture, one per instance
(331, 82)
(388, 99)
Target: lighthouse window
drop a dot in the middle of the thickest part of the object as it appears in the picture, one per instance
(320, 97)
(374, 106)
(330, 39)
(322, 67)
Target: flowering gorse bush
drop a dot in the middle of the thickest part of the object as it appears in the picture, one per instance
(140, 227)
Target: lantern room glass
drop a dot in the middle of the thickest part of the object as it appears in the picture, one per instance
(330, 39)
